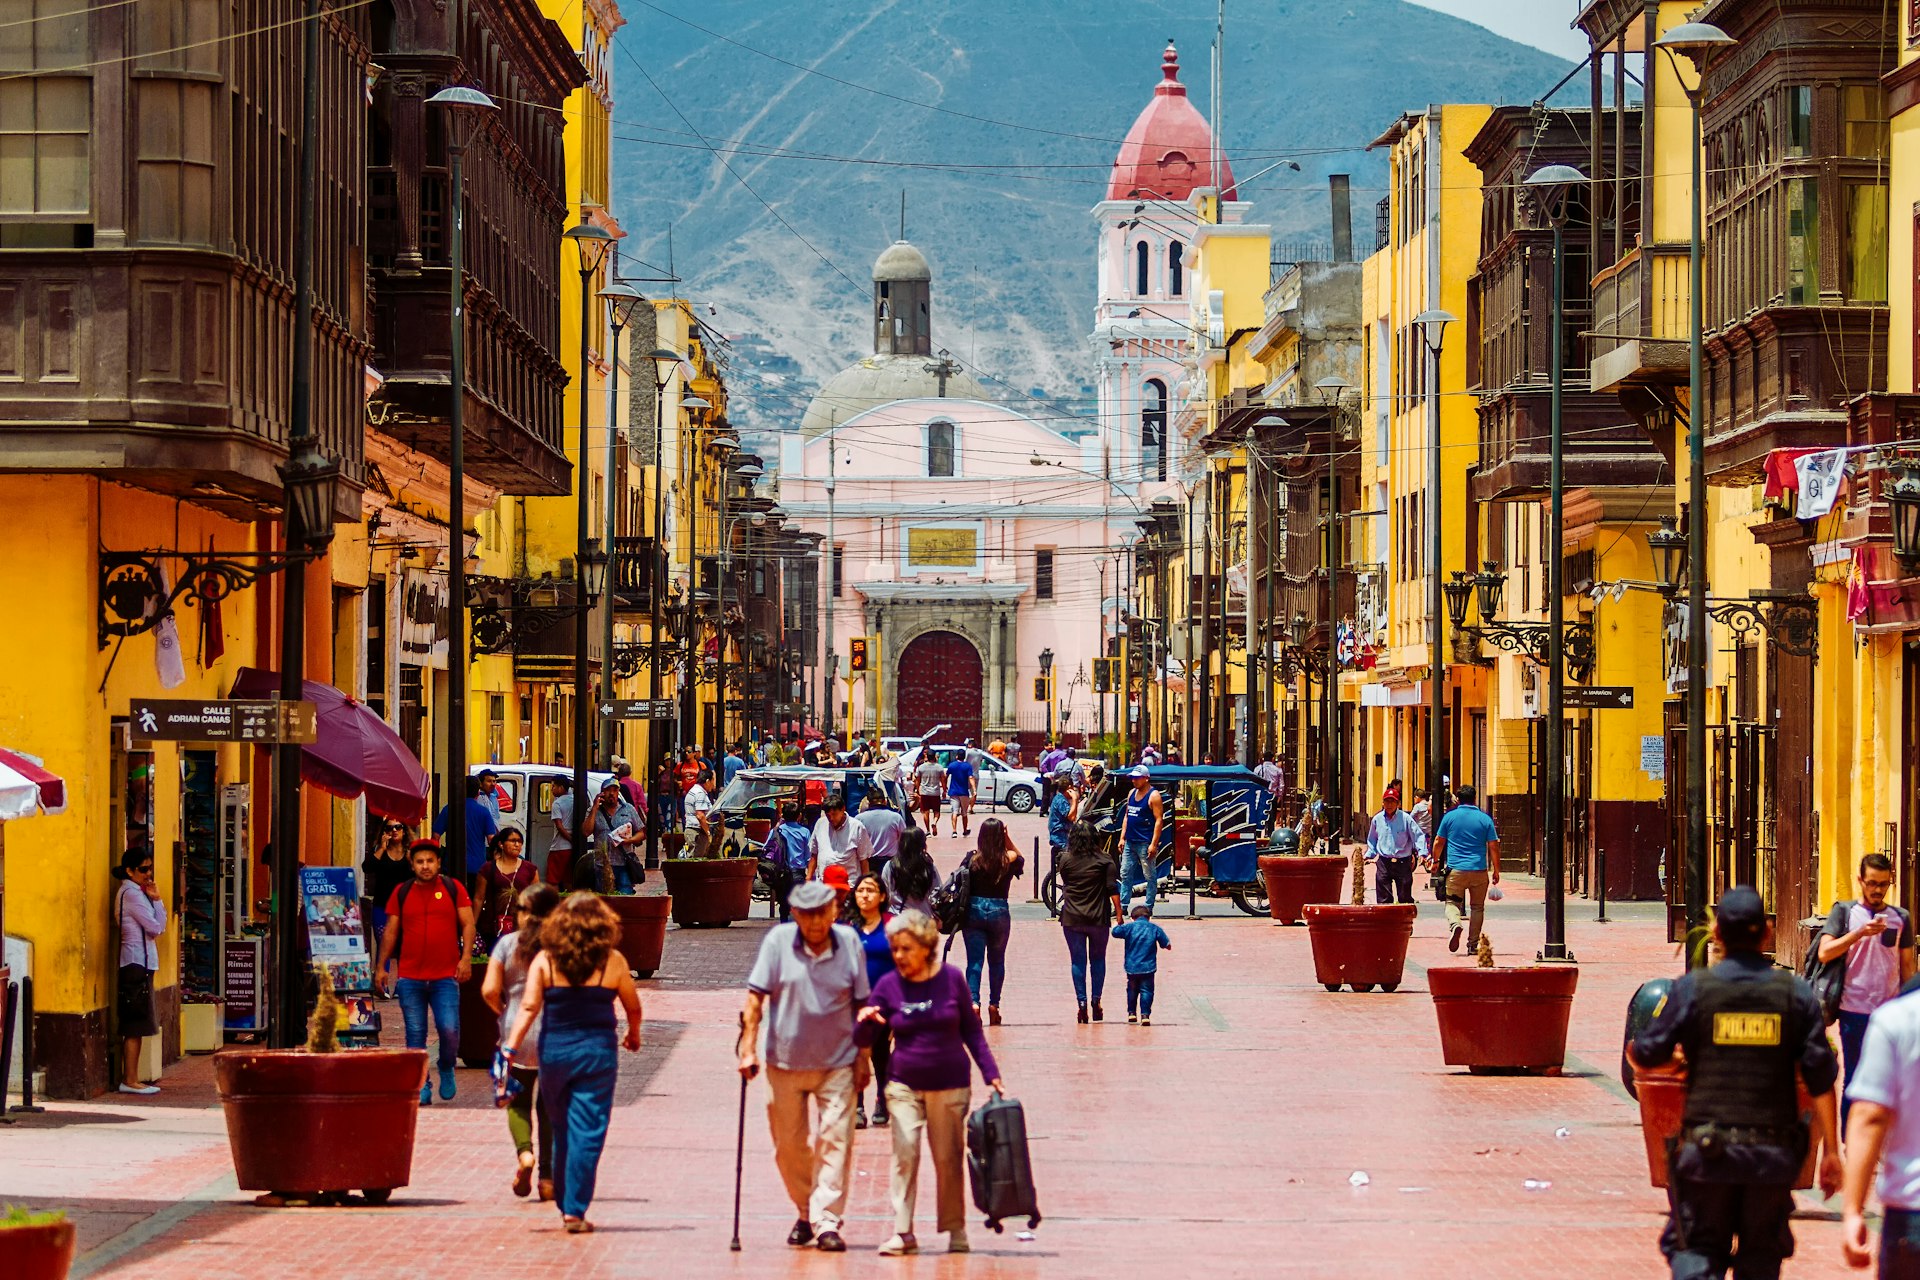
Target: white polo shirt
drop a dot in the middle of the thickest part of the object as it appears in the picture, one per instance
(1889, 1075)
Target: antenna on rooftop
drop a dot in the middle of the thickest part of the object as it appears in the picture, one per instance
(903, 213)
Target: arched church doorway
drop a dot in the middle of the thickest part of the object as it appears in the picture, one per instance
(940, 680)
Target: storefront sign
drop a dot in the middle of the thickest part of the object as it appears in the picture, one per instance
(334, 934)
(240, 984)
(1653, 756)
(220, 720)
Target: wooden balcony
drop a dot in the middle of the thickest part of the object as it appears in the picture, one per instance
(1640, 320)
(1783, 378)
(149, 362)
(636, 567)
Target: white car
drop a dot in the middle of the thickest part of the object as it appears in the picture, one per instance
(1000, 783)
(526, 793)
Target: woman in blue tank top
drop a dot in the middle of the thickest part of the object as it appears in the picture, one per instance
(571, 989)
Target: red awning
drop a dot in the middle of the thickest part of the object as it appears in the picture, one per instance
(355, 752)
(27, 787)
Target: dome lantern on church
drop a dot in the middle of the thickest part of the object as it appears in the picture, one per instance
(1169, 151)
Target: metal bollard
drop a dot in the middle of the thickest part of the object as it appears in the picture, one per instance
(1600, 887)
(1036, 871)
(26, 1048)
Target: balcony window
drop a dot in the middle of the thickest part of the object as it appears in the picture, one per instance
(1803, 243)
(1865, 259)
(1799, 99)
(1864, 113)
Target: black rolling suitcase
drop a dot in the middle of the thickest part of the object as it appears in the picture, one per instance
(997, 1162)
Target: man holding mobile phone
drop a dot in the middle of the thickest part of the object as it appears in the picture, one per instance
(1877, 940)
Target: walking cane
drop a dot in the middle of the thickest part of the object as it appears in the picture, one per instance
(740, 1140)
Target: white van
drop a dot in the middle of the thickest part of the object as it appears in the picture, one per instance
(526, 793)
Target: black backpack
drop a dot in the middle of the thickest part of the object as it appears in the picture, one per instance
(949, 902)
(1828, 980)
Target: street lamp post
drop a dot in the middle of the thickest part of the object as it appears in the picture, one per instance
(308, 479)
(593, 243)
(1697, 42)
(620, 298)
(466, 110)
(1046, 678)
(665, 362)
(1331, 390)
(1554, 186)
(1433, 331)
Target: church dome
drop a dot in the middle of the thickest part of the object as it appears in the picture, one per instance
(1169, 150)
(878, 380)
(901, 261)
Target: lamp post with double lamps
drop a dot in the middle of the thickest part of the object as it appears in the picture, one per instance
(620, 299)
(593, 243)
(1697, 42)
(665, 363)
(467, 111)
(1433, 332)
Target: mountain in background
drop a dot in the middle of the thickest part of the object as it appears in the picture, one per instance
(999, 203)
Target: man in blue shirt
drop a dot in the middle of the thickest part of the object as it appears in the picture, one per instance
(1394, 840)
(1469, 848)
(732, 763)
(480, 827)
(963, 784)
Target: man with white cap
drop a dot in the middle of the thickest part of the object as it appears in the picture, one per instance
(808, 983)
(1140, 838)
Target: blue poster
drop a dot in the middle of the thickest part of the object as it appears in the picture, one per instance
(334, 934)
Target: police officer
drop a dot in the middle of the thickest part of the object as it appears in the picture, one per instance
(1745, 1027)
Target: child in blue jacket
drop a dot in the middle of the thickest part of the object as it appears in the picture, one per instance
(1144, 940)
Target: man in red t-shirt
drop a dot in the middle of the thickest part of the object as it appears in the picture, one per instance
(430, 930)
(689, 771)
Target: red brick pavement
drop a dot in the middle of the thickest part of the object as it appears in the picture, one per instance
(1219, 1141)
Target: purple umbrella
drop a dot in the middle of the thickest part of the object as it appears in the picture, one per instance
(354, 753)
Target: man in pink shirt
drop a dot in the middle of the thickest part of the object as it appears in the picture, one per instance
(1877, 940)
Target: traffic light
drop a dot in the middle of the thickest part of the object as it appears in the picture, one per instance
(1039, 688)
(857, 653)
(1106, 674)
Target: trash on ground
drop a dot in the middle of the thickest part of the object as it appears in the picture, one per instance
(1358, 1178)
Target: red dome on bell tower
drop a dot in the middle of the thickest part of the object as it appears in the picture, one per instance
(1169, 150)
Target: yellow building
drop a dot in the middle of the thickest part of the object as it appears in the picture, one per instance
(1432, 240)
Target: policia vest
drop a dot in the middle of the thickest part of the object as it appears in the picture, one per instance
(1742, 1122)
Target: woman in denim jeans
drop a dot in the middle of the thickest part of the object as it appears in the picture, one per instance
(991, 867)
(1089, 907)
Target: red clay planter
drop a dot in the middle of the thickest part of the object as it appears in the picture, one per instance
(643, 929)
(317, 1122)
(1503, 1019)
(1363, 947)
(1663, 1102)
(710, 892)
(43, 1251)
(479, 1024)
(1294, 881)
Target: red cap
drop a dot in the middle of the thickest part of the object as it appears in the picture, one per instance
(835, 877)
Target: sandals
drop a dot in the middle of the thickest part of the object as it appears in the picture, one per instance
(523, 1181)
(577, 1226)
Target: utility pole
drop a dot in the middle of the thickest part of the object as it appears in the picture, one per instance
(1251, 748)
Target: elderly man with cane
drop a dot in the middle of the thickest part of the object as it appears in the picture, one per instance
(808, 984)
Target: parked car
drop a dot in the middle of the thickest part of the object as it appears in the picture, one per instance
(900, 746)
(1000, 783)
(750, 804)
(530, 789)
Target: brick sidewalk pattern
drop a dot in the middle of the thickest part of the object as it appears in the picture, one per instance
(1218, 1142)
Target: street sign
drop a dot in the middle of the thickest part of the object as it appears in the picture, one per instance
(638, 709)
(220, 720)
(1600, 697)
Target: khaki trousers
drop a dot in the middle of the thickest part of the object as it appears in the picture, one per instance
(813, 1160)
(1467, 897)
(942, 1115)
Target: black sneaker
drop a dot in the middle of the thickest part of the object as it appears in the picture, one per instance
(830, 1242)
(801, 1235)
(1453, 942)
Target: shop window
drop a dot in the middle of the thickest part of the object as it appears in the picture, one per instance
(1803, 242)
(1865, 259)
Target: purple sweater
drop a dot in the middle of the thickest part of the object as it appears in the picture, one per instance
(934, 1028)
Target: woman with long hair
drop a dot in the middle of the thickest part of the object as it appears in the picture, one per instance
(141, 918)
(571, 989)
(867, 915)
(500, 882)
(504, 988)
(991, 867)
(909, 875)
(1089, 907)
(385, 868)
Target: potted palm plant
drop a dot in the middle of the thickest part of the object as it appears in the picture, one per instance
(1356, 944)
(315, 1123)
(35, 1246)
(1296, 876)
(1501, 1017)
